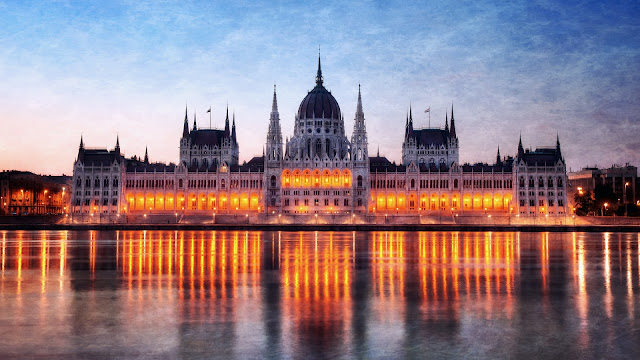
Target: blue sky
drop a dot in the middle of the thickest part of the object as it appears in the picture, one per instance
(110, 68)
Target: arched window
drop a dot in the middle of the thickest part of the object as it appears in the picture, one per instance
(455, 183)
(97, 182)
(540, 182)
(559, 181)
(318, 147)
(194, 162)
(521, 181)
(223, 183)
(79, 182)
(309, 147)
(532, 182)
(359, 180)
(180, 183)
(115, 181)
(550, 182)
(105, 183)
(273, 201)
(273, 181)
(327, 147)
(413, 183)
(359, 154)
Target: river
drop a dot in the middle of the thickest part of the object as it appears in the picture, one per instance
(255, 294)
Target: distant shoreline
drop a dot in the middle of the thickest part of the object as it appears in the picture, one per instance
(327, 227)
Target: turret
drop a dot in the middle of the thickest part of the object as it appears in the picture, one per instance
(195, 127)
(446, 122)
(520, 149)
(498, 159)
(146, 155)
(117, 148)
(359, 135)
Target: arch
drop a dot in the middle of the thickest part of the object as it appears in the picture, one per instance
(181, 203)
(234, 202)
(296, 178)
(315, 178)
(412, 203)
(202, 201)
(359, 181)
(346, 178)
(149, 202)
(391, 201)
(550, 182)
(326, 178)
(223, 201)
(286, 178)
(433, 202)
(253, 201)
(401, 202)
(455, 183)
(508, 202)
(444, 202)
(424, 202)
(541, 182)
(211, 202)
(487, 202)
(498, 203)
(273, 181)
(169, 201)
(467, 202)
(382, 202)
(306, 178)
(159, 201)
(413, 183)
(521, 182)
(244, 201)
(192, 202)
(455, 201)
(477, 201)
(336, 178)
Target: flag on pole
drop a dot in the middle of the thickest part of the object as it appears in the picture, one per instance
(209, 109)
(428, 110)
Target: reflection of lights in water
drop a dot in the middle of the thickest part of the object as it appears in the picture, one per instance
(608, 298)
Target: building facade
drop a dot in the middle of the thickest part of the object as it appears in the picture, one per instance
(317, 170)
(26, 193)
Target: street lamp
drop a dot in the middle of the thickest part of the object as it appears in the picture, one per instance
(624, 198)
(605, 208)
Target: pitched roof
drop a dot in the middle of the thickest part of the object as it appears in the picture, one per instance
(541, 157)
(427, 137)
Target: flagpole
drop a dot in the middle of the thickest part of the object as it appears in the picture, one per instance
(209, 117)
(429, 117)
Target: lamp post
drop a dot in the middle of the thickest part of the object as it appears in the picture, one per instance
(624, 198)
(604, 208)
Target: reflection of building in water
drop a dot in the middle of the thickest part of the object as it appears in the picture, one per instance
(319, 169)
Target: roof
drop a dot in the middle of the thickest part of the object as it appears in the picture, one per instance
(427, 137)
(319, 104)
(98, 157)
(209, 137)
(135, 165)
(542, 157)
(382, 164)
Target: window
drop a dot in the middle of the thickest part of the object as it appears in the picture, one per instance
(540, 182)
(521, 184)
(336, 202)
(550, 182)
(455, 183)
(560, 182)
(532, 202)
(286, 202)
(105, 183)
(521, 202)
(413, 183)
(346, 202)
(316, 202)
(540, 202)
(273, 181)
(560, 202)
(531, 182)
(105, 202)
(79, 182)
(326, 202)
(359, 180)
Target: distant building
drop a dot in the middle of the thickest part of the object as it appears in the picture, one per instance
(26, 193)
(317, 170)
(622, 179)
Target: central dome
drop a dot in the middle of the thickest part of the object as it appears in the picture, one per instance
(319, 103)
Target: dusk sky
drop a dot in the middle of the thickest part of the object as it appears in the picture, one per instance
(107, 68)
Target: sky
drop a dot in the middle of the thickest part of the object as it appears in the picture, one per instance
(536, 69)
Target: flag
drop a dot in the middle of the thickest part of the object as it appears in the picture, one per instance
(209, 110)
(428, 109)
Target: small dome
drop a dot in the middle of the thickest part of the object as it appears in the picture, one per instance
(319, 104)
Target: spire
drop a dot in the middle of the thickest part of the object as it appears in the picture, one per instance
(378, 155)
(452, 131)
(520, 148)
(498, 160)
(146, 155)
(274, 103)
(557, 143)
(195, 127)
(117, 148)
(81, 143)
(319, 78)
(233, 128)
(185, 128)
(359, 106)
(410, 122)
(446, 122)
(226, 124)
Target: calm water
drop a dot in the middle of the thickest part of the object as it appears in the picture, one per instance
(149, 294)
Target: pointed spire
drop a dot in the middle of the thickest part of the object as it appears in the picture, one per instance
(146, 155)
(359, 106)
(117, 148)
(227, 133)
(452, 131)
(446, 122)
(410, 130)
(498, 160)
(378, 155)
(185, 127)
(233, 128)
(195, 127)
(81, 143)
(274, 103)
(319, 79)
(520, 148)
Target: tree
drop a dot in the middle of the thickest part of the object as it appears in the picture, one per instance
(584, 203)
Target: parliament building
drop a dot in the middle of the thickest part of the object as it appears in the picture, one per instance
(318, 170)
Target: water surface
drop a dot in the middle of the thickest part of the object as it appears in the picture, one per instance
(235, 294)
